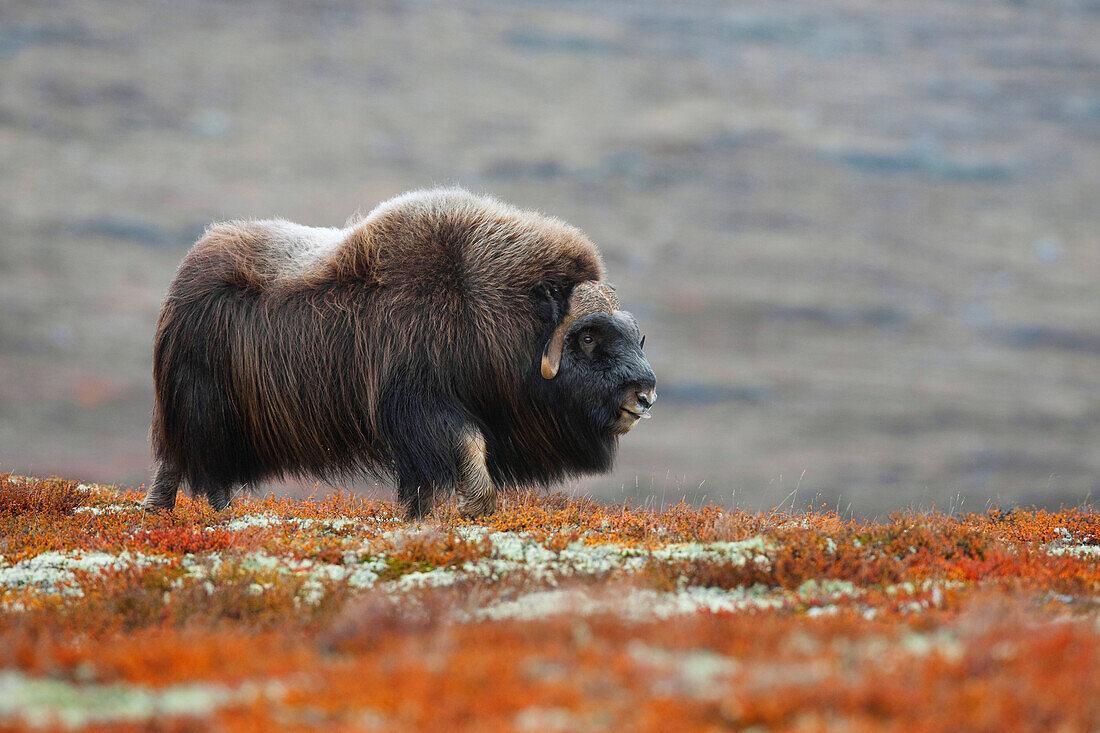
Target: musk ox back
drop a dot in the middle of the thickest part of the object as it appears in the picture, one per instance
(446, 339)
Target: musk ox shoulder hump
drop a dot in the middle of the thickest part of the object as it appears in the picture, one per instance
(449, 237)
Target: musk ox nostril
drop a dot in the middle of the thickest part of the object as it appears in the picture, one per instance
(647, 399)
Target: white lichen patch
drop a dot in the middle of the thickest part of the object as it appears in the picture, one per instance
(739, 553)
(247, 521)
(315, 575)
(637, 604)
(109, 509)
(56, 572)
(328, 525)
(1067, 544)
(942, 643)
(1080, 551)
(517, 552)
(829, 588)
(342, 524)
(548, 720)
(699, 673)
(42, 703)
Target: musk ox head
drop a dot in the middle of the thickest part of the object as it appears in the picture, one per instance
(596, 353)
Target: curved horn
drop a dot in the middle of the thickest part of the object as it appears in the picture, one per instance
(588, 297)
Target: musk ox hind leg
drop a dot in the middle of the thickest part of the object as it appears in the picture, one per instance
(219, 495)
(166, 484)
(218, 490)
(165, 487)
(418, 499)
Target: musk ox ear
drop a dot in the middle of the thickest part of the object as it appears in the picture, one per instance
(551, 302)
(588, 297)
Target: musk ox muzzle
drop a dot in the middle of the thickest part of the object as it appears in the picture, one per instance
(447, 340)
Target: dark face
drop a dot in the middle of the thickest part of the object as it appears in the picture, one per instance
(605, 370)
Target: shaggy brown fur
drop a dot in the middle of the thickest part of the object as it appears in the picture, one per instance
(404, 344)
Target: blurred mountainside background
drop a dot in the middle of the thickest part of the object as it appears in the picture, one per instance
(863, 239)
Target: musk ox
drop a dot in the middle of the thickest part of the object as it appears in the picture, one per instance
(446, 339)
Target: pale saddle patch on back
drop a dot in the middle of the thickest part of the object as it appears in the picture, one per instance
(294, 249)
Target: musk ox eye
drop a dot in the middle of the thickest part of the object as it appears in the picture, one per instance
(587, 339)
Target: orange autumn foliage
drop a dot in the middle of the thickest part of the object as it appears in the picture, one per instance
(554, 613)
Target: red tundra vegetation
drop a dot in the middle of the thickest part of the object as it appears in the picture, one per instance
(555, 613)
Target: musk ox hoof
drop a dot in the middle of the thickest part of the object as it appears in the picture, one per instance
(480, 507)
(220, 499)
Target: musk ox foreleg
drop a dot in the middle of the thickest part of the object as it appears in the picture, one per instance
(475, 488)
(434, 449)
(456, 459)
